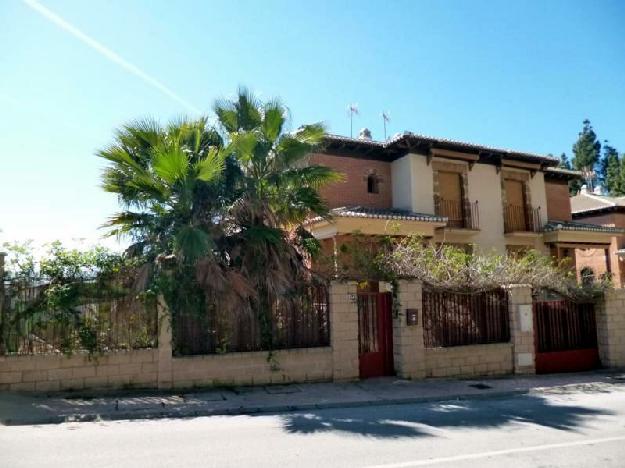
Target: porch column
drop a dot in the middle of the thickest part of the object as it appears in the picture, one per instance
(408, 347)
(610, 314)
(165, 377)
(344, 330)
(522, 328)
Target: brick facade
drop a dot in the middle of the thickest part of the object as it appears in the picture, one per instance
(558, 200)
(611, 329)
(469, 361)
(352, 190)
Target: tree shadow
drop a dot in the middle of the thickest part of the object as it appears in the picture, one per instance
(426, 420)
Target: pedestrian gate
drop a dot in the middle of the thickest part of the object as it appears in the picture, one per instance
(375, 334)
(566, 336)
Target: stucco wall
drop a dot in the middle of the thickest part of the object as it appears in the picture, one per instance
(401, 171)
(485, 187)
(468, 361)
(539, 195)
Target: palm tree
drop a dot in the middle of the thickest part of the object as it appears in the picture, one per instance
(277, 191)
(164, 178)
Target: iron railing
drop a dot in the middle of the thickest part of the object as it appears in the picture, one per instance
(563, 325)
(107, 323)
(458, 215)
(300, 322)
(459, 319)
(521, 219)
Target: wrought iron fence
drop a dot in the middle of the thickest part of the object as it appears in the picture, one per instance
(458, 319)
(563, 325)
(459, 216)
(302, 321)
(110, 322)
(521, 219)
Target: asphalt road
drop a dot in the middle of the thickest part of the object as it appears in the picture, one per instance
(563, 428)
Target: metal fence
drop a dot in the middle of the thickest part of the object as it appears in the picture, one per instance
(460, 216)
(458, 319)
(563, 325)
(300, 322)
(521, 219)
(110, 322)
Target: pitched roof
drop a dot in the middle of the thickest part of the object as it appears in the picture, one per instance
(382, 213)
(403, 142)
(585, 203)
(560, 173)
(575, 226)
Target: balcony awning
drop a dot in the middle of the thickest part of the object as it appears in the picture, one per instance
(374, 221)
(581, 234)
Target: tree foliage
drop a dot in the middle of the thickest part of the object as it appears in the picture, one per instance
(225, 204)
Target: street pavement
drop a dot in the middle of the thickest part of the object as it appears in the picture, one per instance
(579, 425)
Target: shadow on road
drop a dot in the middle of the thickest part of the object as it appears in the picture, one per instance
(423, 420)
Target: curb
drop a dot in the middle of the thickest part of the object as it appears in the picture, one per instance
(252, 410)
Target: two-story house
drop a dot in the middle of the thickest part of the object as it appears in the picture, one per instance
(483, 198)
(607, 211)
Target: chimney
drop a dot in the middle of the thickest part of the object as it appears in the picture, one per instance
(365, 134)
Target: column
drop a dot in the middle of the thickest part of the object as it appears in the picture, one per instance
(408, 347)
(522, 328)
(344, 330)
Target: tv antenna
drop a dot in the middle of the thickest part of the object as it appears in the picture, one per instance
(386, 117)
(353, 110)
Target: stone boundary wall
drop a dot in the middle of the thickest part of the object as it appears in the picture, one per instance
(49, 372)
(469, 361)
(286, 366)
(610, 316)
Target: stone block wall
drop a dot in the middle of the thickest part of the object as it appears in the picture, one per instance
(610, 316)
(45, 373)
(344, 330)
(469, 361)
(408, 347)
(520, 305)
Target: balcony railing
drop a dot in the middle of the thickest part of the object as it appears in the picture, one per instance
(459, 217)
(521, 219)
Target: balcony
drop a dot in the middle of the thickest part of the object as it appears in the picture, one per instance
(521, 219)
(459, 217)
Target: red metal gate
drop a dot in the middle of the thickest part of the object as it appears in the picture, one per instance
(566, 336)
(375, 334)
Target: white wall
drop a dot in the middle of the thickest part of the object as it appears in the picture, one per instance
(413, 184)
(538, 194)
(485, 187)
(423, 180)
(402, 183)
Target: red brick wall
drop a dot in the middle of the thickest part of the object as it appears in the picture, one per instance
(352, 190)
(558, 201)
(595, 258)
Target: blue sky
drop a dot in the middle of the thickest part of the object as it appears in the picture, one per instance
(518, 75)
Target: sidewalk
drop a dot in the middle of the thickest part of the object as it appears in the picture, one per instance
(21, 409)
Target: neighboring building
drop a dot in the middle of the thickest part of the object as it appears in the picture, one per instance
(452, 192)
(609, 212)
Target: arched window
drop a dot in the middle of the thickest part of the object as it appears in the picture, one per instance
(587, 276)
(373, 184)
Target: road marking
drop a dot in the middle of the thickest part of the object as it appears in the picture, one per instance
(495, 453)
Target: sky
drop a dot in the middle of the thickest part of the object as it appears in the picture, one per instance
(521, 75)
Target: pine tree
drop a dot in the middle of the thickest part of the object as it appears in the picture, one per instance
(586, 149)
(621, 185)
(611, 170)
(564, 162)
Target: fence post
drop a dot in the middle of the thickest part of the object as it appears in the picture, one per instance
(2, 296)
(610, 314)
(408, 346)
(165, 377)
(344, 330)
(522, 328)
